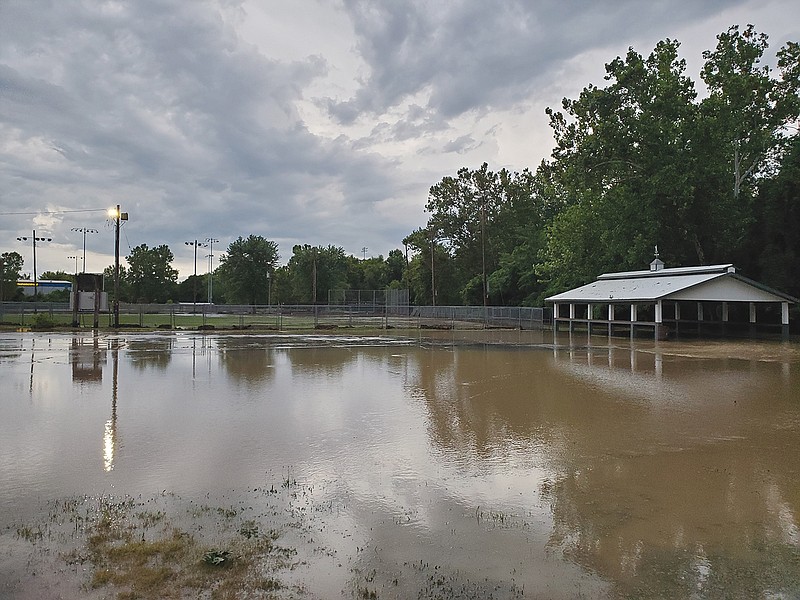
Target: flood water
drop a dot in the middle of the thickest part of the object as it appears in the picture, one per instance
(511, 464)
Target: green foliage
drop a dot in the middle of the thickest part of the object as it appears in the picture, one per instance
(193, 289)
(246, 269)
(42, 320)
(313, 271)
(150, 275)
(125, 292)
(10, 268)
(637, 162)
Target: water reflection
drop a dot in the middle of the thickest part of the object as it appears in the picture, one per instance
(673, 462)
(110, 429)
(151, 351)
(246, 360)
(87, 358)
(665, 470)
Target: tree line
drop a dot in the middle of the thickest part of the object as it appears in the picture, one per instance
(639, 162)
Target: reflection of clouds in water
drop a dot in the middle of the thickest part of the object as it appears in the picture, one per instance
(151, 351)
(621, 467)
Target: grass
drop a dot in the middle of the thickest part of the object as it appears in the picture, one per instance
(166, 548)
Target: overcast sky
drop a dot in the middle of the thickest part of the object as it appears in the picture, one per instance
(304, 121)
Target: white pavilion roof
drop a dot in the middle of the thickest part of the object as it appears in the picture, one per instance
(711, 283)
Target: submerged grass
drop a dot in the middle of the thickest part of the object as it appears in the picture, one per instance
(134, 551)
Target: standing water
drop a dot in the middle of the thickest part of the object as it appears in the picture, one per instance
(512, 464)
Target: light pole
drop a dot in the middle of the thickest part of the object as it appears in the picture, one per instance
(34, 239)
(211, 241)
(84, 231)
(76, 267)
(269, 290)
(118, 216)
(195, 243)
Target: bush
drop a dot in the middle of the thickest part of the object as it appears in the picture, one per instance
(42, 321)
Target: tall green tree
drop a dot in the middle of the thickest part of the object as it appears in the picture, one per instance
(431, 273)
(741, 135)
(10, 268)
(623, 163)
(775, 241)
(193, 289)
(246, 269)
(125, 293)
(150, 273)
(313, 271)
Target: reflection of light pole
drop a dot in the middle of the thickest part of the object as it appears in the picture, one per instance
(84, 231)
(34, 239)
(195, 243)
(211, 242)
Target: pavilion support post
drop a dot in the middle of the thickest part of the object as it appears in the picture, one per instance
(659, 327)
(724, 318)
(699, 317)
(785, 320)
(677, 316)
(571, 317)
(589, 317)
(555, 317)
(610, 318)
(634, 318)
(752, 318)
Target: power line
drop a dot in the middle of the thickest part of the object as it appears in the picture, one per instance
(54, 212)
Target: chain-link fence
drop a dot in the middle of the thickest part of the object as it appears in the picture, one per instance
(282, 317)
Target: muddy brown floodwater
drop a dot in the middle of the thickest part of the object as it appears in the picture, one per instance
(440, 465)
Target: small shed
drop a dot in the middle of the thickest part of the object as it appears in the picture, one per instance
(670, 300)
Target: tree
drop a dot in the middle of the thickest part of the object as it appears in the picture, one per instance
(124, 285)
(395, 266)
(431, 273)
(10, 268)
(57, 276)
(150, 275)
(315, 270)
(194, 284)
(623, 162)
(776, 236)
(246, 268)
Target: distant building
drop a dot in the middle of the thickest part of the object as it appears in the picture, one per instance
(45, 286)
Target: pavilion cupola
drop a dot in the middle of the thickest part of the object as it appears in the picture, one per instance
(657, 263)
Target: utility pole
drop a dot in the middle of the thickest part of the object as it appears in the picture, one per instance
(117, 216)
(195, 243)
(433, 278)
(211, 241)
(35, 239)
(84, 231)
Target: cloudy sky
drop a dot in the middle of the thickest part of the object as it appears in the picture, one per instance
(304, 121)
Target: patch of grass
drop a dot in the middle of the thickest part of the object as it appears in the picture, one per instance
(144, 552)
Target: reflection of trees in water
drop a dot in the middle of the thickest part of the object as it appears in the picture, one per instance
(679, 482)
(248, 360)
(669, 478)
(10, 349)
(253, 359)
(326, 361)
(673, 524)
(482, 402)
(150, 351)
